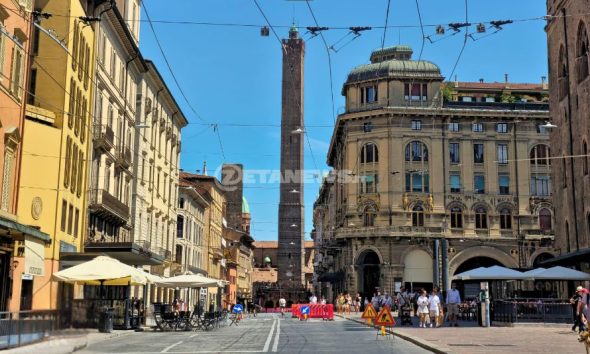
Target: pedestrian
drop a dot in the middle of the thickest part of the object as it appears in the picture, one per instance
(453, 301)
(375, 302)
(583, 309)
(322, 300)
(387, 300)
(313, 299)
(434, 307)
(348, 303)
(341, 302)
(423, 311)
(359, 302)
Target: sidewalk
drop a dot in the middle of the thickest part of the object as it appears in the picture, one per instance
(67, 341)
(470, 339)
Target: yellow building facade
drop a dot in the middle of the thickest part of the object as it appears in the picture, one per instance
(59, 120)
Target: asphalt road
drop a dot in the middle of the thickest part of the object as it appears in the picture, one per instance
(265, 333)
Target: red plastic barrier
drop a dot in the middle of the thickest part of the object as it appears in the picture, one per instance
(315, 311)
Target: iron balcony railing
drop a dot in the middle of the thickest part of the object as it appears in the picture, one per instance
(102, 201)
(104, 137)
(25, 327)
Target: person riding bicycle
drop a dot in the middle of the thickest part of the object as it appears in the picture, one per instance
(282, 305)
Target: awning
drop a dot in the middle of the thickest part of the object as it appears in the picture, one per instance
(571, 258)
(491, 273)
(557, 273)
(23, 230)
(189, 280)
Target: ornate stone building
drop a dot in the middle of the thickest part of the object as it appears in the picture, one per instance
(569, 68)
(425, 187)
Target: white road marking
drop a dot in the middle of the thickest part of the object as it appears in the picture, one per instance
(268, 339)
(275, 345)
(170, 347)
(194, 335)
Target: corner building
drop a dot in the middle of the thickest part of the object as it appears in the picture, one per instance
(569, 68)
(427, 184)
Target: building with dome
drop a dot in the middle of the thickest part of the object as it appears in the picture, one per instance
(431, 178)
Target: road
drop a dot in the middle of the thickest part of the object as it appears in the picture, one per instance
(265, 333)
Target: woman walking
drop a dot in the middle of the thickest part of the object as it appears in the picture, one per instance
(423, 310)
(435, 308)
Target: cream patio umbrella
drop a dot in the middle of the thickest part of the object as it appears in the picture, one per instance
(104, 270)
(189, 280)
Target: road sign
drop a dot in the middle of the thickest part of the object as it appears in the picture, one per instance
(238, 308)
(305, 310)
(384, 318)
(369, 312)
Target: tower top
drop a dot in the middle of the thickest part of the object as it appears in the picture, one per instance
(293, 32)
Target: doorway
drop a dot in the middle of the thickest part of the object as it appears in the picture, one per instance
(369, 273)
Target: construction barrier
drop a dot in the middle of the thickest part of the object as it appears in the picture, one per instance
(325, 312)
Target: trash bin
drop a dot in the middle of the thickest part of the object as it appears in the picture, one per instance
(105, 320)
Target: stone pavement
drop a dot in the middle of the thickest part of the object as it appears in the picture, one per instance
(470, 339)
(67, 341)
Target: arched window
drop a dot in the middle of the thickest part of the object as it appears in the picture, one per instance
(456, 218)
(369, 153)
(562, 74)
(417, 216)
(545, 219)
(505, 219)
(369, 217)
(540, 155)
(481, 218)
(416, 151)
(582, 53)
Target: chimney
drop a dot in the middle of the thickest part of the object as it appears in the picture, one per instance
(506, 80)
(205, 168)
(481, 81)
(544, 82)
(456, 82)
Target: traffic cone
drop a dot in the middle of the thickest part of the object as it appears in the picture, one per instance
(382, 330)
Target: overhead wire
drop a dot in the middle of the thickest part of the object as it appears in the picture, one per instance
(466, 37)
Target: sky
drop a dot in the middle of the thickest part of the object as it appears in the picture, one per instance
(231, 75)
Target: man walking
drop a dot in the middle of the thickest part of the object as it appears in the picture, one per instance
(453, 301)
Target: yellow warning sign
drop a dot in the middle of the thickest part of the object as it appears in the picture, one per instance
(384, 318)
(369, 312)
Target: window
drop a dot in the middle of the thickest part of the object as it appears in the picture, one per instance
(489, 99)
(368, 184)
(72, 104)
(478, 153)
(75, 45)
(540, 155)
(502, 153)
(80, 173)
(74, 168)
(7, 177)
(369, 153)
(477, 127)
(582, 53)
(416, 151)
(181, 203)
(466, 99)
(562, 74)
(504, 183)
(505, 219)
(415, 92)
(502, 128)
(180, 226)
(456, 218)
(540, 185)
(70, 218)
(481, 218)
(479, 184)
(417, 181)
(368, 127)
(416, 125)
(64, 215)
(417, 216)
(368, 218)
(76, 222)
(545, 219)
(454, 152)
(17, 72)
(369, 94)
(455, 183)
(68, 162)
(178, 254)
(454, 127)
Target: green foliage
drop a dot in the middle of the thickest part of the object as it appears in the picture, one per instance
(507, 98)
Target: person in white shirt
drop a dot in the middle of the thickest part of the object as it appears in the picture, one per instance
(423, 310)
(282, 305)
(313, 299)
(453, 301)
(434, 306)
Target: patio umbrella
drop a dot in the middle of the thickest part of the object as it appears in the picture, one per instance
(557, 273)
(491, 273)
(104, 270)
(188, 280)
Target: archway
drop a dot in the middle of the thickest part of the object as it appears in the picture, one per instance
(477, 262)
(369, 271)
(418, 272)
(541, 258)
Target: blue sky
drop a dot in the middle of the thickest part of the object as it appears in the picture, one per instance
(232, 75)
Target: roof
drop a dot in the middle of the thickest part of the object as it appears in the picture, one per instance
(245, 206)
(499, 85)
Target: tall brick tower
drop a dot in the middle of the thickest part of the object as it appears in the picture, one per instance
(291, 221)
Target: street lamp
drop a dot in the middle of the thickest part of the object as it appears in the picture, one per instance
(548, 125)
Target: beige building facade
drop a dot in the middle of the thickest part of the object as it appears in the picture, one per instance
(424, 188)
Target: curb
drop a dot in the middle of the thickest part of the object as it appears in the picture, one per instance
(415, 340)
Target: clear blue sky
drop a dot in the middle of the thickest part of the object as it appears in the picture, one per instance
(232, 75)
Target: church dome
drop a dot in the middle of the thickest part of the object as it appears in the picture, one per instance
(245, 206)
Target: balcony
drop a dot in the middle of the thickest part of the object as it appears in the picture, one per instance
(103, 137)
(123, 248)
(124, 157)
(106, 205)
